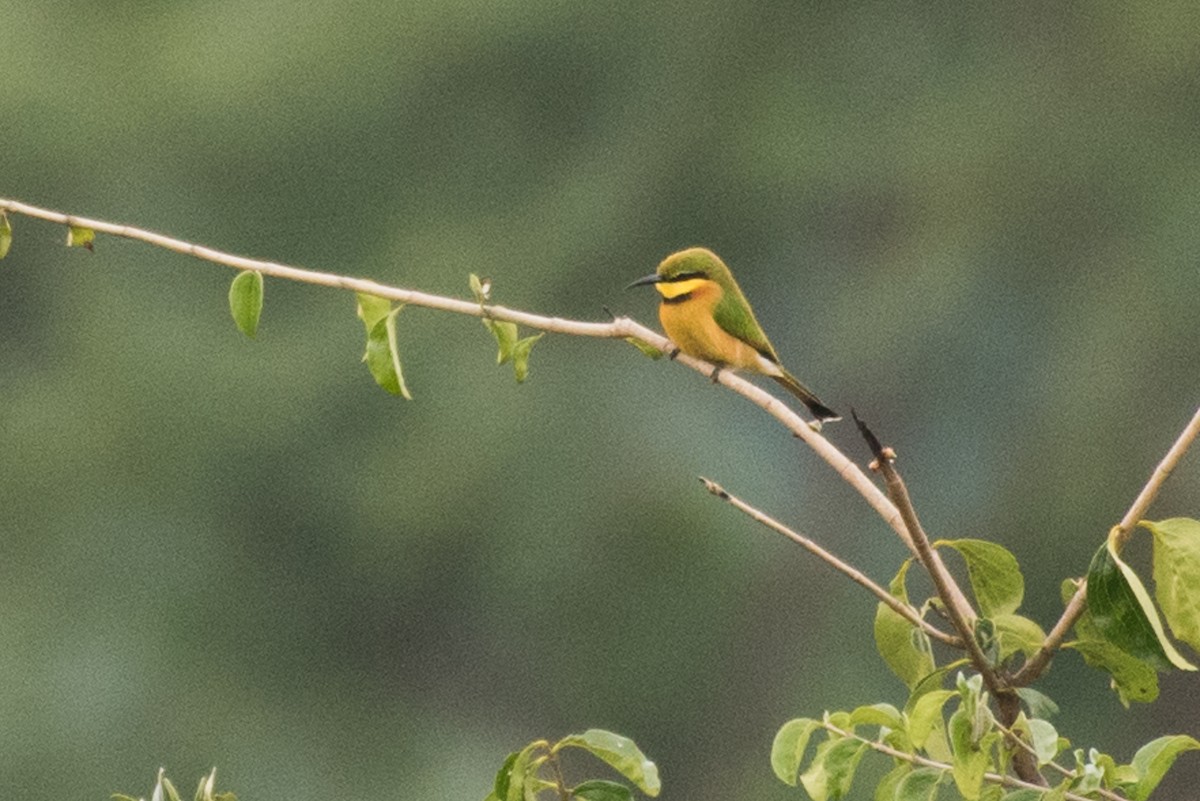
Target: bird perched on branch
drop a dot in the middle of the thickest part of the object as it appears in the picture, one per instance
(706, 315)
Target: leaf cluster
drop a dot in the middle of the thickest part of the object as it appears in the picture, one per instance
(537, 767)
(949, 737)
(164, 790)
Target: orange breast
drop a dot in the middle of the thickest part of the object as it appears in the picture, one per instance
(690, 325)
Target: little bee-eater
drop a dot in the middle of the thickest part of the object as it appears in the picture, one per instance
(706, 315)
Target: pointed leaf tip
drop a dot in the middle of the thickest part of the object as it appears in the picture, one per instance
(520, 356)
(246, 301)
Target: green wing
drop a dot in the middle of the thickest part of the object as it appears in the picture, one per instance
(733, 314)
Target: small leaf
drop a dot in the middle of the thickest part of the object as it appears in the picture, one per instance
(80, 237)
(503, 777)
(905, 649)
(994, 573)
(1123, 613)
(1039, 704)
(172, 793)
(645, 347)
(506, 338)
(920, 785)
(1154, 759)
(876, 715)
(886, 789)
(1024, 794)
(970, 761)
(5, 235)
(1041, 735)
(926, 715)
(481, 288)
(371, 309)
(246, 301)
(523, 769)
(619, 752)
(520, 356)
(1018, 634)
(205, 791)
(832, 769)
(1177, 575)
(383, 356)
(787, 752)
(599, 790)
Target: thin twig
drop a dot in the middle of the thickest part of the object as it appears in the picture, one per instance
(620, 328)
(1078, 603)
(962, 615)
(1070, 774)
(925, 762)
(898, 606)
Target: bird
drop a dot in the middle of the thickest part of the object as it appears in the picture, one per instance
(706, 316)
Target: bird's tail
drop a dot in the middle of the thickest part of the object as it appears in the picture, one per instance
(818, 409)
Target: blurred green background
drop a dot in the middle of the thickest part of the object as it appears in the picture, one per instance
(974, 224)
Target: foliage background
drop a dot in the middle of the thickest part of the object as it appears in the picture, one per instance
(977, 226)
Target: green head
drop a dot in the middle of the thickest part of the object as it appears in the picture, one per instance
(688, 268)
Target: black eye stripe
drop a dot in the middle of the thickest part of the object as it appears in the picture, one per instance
(675, 279)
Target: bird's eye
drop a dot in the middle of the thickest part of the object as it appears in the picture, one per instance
(685, 277)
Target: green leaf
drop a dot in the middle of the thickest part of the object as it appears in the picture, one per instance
(886, 789)
(1041, 735)
(904, 648)
(1018, 634)
(920, 785)
(383, 355)
(926, 715)
(599, 790)
(5, 235)
(991, 792)
(506, 338)
(1131, 678)
(645, 347)
(1154, 759)
(503, 777)
(481, 288)
(522, 771)
(204, 792)
(877, 715)
(1177, 575)
(1039, 704)
(80, 237)
(970, 759)
(246, 301)
(1024, 794)
(619, 752)
(787, 752)
(520, 356)
(371, 309)
(994, 573)
(172, 793)
(1123, 613)
(832, 770)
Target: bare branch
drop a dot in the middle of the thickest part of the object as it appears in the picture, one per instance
(620, 328)
(898, 606)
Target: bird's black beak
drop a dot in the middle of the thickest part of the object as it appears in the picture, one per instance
(653, 278)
